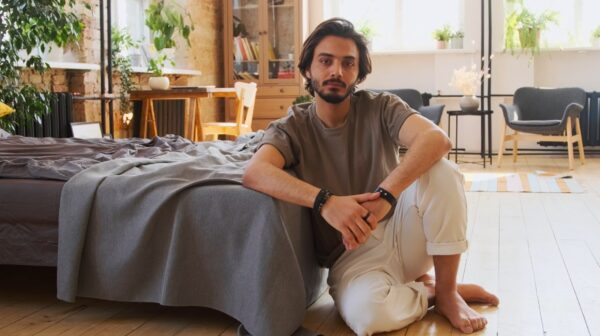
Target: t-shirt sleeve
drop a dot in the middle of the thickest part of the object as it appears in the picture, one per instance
(394, 113)
(278, 135)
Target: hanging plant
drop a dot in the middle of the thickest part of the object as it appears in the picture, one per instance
(121, 42)
(27, 25)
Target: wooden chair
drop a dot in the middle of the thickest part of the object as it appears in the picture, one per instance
(544, 115)
(244, 110)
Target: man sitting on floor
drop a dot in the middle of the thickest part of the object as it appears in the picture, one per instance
(379, 245)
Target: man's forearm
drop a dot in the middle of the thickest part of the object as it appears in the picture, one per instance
(275, 182)
(427, 149)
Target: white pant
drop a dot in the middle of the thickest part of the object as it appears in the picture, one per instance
(374, 286)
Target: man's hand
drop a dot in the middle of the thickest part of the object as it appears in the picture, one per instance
(378, 208)
(350, 218)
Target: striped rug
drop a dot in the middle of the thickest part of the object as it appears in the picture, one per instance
(538, 182)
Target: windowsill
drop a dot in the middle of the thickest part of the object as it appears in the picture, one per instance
(69, 66)
(423, 52)
(170, 71)
(545, 50)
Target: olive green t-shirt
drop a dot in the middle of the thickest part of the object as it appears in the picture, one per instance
(352, 158)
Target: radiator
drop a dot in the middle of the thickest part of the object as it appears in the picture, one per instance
(590, 120)
(55, 124)
(169, 117)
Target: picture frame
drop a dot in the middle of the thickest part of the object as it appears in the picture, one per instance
(86, 130)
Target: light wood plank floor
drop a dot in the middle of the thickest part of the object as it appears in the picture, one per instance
(539, 252)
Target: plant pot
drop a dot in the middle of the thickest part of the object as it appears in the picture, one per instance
(159, 83)
(529, 38)
(469, 104)
(456, 43)
(442, 44)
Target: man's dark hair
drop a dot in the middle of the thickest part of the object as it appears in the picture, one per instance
(336, 27)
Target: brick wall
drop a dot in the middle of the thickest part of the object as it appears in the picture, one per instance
(205, 55)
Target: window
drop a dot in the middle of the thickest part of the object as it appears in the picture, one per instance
(129, 15)
(577, 20)
(399, 24)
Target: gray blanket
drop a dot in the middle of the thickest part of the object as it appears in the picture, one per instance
(179, 230)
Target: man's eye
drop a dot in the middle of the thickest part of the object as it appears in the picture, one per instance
(325, 61)
(349, 64)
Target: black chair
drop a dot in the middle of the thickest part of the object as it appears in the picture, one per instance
(544, 115)
(415, 100)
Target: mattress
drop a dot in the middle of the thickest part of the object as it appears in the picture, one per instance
(29, 221)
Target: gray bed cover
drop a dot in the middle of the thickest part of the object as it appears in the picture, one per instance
(178, 229)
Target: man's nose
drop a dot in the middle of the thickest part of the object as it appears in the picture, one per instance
(336, 70)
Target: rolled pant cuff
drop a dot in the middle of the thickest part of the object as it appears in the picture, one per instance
(447, 248)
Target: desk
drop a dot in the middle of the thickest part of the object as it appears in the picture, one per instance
(192, 117)
(482, 114)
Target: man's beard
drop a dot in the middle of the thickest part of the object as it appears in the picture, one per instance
(332, 98)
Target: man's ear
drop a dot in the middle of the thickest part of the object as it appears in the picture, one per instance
(307, 74)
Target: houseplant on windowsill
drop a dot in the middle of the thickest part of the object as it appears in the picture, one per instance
(596, 37)
(456, 40)
(523, 29)
(164, 21)
(442, 36)
(467, 81)
(367, 30)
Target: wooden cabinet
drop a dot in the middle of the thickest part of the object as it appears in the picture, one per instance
(262, 45)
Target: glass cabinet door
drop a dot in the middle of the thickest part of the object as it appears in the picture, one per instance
(245, 39)
(281, 26)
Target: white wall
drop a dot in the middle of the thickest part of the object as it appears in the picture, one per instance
(431, 71)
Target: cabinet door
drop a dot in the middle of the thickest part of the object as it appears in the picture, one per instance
(282, 22)
(245, 40)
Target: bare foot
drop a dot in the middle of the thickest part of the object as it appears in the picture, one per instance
(461, 316)
(471, 293)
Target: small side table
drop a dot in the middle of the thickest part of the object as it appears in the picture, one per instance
(480, 113)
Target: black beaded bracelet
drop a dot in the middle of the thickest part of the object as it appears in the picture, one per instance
(320, 200)
(386, 195)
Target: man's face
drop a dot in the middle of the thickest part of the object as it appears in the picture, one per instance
(334, 69)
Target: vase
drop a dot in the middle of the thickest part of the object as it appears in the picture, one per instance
(159, 83)
(469, 104)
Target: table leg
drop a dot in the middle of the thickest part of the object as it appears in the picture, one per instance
(144, 119)
(199, 135)
(152, 117)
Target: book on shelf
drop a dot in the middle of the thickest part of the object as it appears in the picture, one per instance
(244, 50)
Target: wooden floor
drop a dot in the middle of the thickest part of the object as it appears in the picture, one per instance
(539, 252)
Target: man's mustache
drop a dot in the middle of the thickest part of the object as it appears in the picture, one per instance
(337, 81)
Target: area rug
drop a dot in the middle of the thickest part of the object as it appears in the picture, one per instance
(537, 182)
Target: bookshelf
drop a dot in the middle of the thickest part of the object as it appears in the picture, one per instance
(261, 44)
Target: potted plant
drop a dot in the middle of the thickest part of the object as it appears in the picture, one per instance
(596, 37)
(164, 21)
(456, 40)
(523, 29)
(467, 81)
(368, 31)
(29, 25)
(442, 36)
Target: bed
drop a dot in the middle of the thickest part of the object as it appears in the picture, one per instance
(163, 220)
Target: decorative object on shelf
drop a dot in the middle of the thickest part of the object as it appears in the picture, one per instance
(29, 25)
(523, 27)
(442, 36)
(122, 64)
(164, 20)
(467, 81)
(596, 37)
(456, 40)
